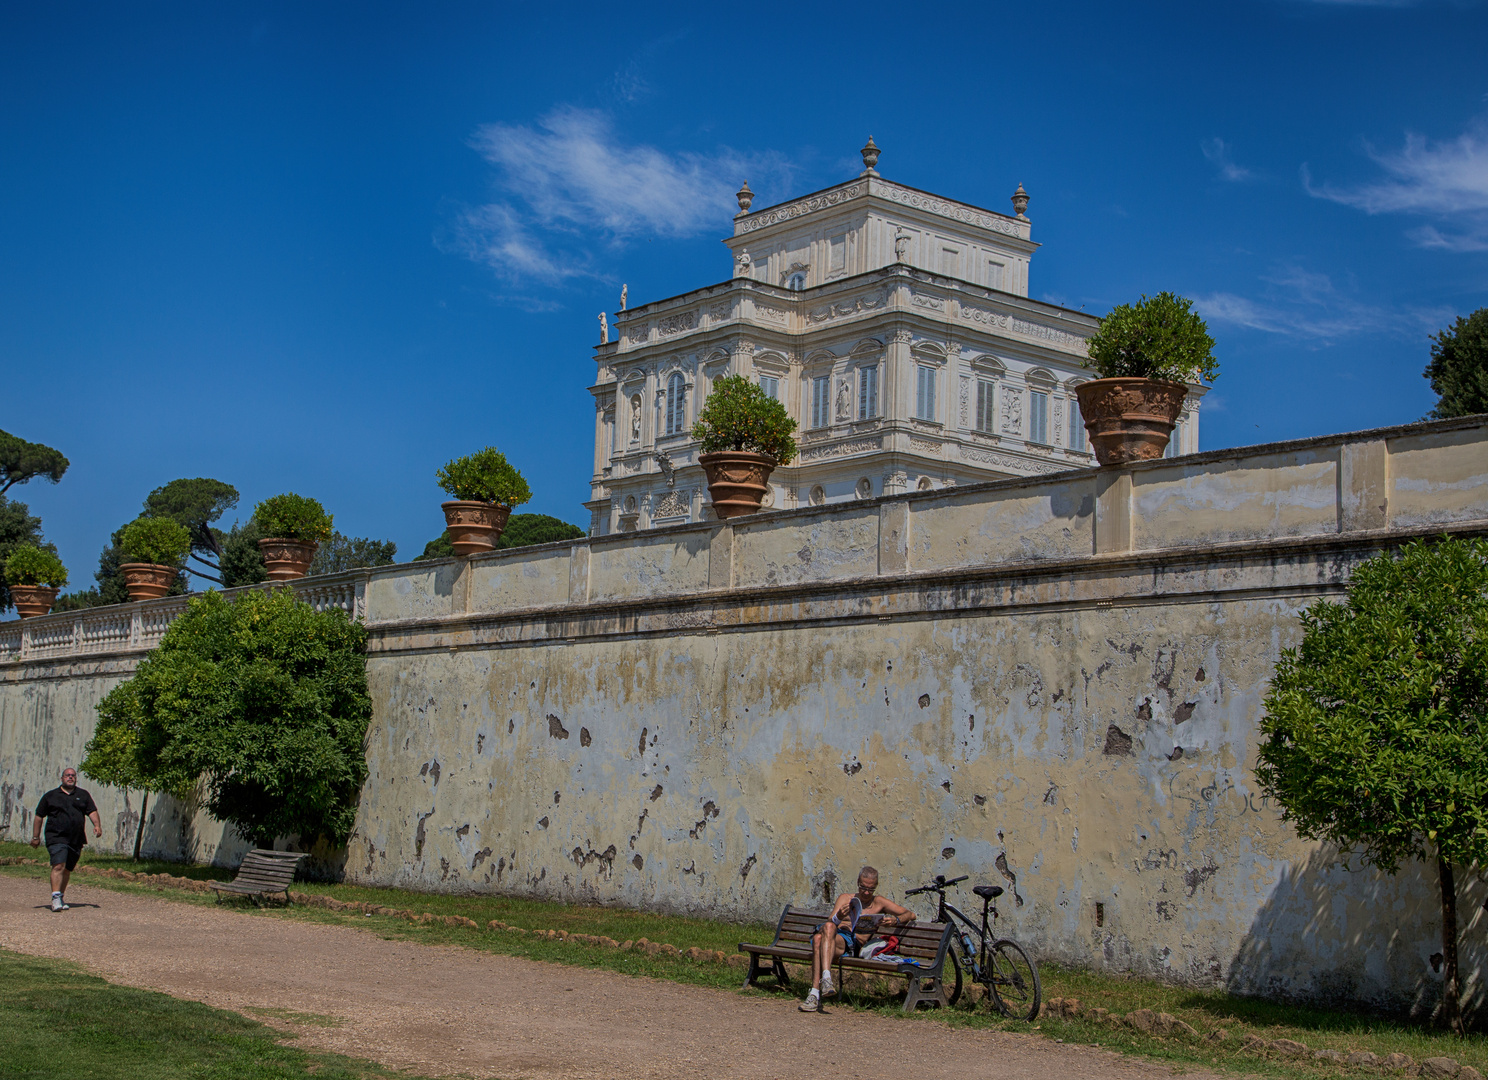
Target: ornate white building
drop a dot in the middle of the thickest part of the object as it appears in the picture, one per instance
(894, 325)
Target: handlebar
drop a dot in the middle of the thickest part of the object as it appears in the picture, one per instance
(940, 884)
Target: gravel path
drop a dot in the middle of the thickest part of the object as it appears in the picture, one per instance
(441, 1009)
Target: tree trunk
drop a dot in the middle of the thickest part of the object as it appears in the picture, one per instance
(1451, 991)
(139, 834)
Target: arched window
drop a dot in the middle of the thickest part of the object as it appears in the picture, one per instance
(797, 281)
(676, 404)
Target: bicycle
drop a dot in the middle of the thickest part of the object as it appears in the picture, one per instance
(1000, 964)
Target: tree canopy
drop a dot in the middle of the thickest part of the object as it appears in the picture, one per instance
(1375, 735)
(262, 698)
(195, 503)
(22, 461)
(349, 552)
(1459, 367)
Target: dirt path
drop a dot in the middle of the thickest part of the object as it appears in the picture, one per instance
(442, 1009)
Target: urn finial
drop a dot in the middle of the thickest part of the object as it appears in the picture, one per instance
(746, 199)
(870, 158)
(1020, 201)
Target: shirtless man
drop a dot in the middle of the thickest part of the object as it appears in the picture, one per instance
(836, 936)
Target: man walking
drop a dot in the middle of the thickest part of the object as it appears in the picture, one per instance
(65, 809)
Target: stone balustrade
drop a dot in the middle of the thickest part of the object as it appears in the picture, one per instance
(138, 627)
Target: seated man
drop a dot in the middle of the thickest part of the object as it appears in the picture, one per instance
(838, 935)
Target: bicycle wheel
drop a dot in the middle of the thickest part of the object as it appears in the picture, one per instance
(950, 974)
(1013, 980)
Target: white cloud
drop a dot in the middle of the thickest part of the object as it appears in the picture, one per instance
(1304, 304)
(1218, 153)
(569, 186)
(1447, 181)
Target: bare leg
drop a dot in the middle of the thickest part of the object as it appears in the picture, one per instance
(59, 877)
(816, 959)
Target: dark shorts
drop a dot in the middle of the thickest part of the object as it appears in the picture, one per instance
(63, 852)
(848, 940)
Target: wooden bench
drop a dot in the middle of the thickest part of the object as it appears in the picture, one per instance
(926, 942)
(260, 873)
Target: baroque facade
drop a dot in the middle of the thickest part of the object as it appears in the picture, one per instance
(893, 324)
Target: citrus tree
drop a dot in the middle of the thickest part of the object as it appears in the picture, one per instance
(263, 698)
(1375, 735)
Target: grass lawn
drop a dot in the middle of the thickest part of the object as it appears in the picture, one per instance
(1205, 1010)
(60, 1021)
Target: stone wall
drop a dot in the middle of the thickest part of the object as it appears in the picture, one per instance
(1049, 684)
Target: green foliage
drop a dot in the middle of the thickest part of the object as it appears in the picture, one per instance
(112, 589)
(195, 504)
(18, 527)
(264, 698)
(524, 529)
(484, 477)
(1156, 338)
(79, 600)
(242, 561)
(739, 416)
(21, 461)
(155, 540)
(293, 517)
(441, 547)
(1376, 729)
(1459, 367)
(31, 565)
(347, 553)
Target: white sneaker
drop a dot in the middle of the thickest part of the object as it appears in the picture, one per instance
(65, 905)
(827, 989)
(56, 901)
(812, 1002)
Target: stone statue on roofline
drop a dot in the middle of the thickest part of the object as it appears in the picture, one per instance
(604, 329)
(624, 295)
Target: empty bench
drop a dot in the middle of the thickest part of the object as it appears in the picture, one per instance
(927, 943)
(261, 873)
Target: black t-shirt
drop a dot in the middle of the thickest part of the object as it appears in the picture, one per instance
(66, 815)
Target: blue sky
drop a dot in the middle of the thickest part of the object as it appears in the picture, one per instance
(325, 247)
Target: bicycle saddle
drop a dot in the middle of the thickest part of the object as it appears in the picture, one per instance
(988, 892)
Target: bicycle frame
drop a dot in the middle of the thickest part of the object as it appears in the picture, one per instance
(945, 909)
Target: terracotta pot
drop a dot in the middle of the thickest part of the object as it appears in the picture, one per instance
(474, 526)
(1130, 419)
(736, 481)
(32, 600)
(287, 559)
(147, 580)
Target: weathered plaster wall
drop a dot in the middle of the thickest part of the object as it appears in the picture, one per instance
(1052, 684)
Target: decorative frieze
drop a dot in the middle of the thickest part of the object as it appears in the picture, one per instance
(677, 324)
(673, 504)
(801, 206)
(1011, 464)
(771, 314)
(955, 211)
(842, 449)
(841, 309)
(926, 446)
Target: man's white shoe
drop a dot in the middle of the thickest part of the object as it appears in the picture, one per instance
(827, 989)
(56, 901)
(812, 1002)
(66, 906)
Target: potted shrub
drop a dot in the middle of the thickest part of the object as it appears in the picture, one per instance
(485, 487)
(34, 576)
(293, 527)
(745, 436)
(1146, 354)
(154, 548)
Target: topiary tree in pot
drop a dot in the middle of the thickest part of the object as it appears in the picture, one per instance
(485, 487)
(293, 527)
(34, 576)
(154, 548)
(746, 435)
(1146, 353)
